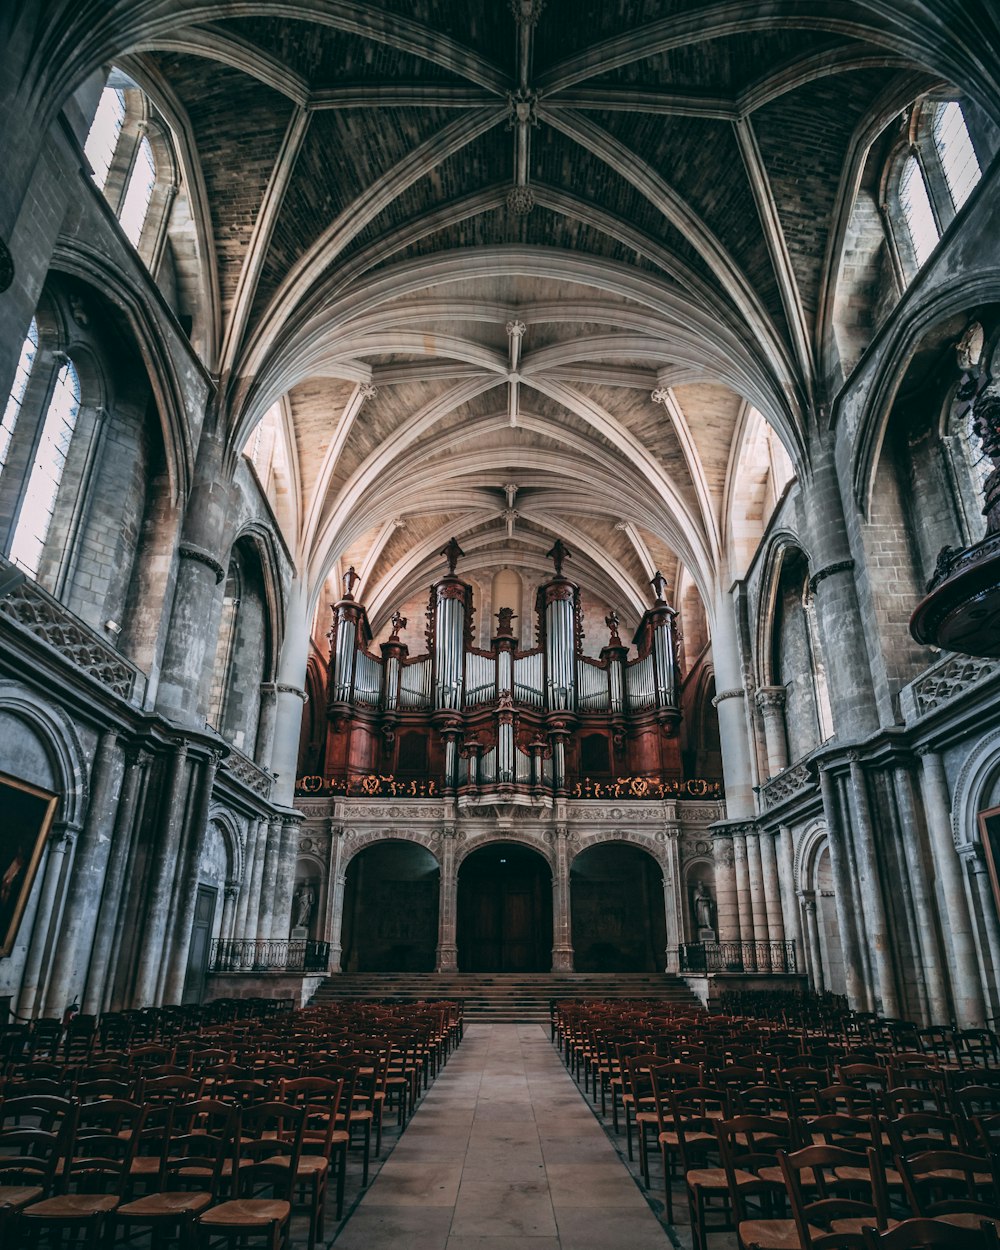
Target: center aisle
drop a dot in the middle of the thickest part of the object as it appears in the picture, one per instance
(503, 1149)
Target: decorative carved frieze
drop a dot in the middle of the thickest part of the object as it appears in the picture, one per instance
(786, 785)
(950, 680)
(45, 619)
(188, 551)
(241, 768)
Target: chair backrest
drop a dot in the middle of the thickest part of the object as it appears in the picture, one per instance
(102, 1145)
(268, 1148)
(830, 1195)
(940, 1181)
(747, 1144)
(924, 1234)
(201, 1137)
(31, 1155)
(920, 1131)
(171, 1089)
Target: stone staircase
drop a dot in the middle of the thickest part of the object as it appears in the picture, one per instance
(503, 997)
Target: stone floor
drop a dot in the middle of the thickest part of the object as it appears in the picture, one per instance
(503, 1152)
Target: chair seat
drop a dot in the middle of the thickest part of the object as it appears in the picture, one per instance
(968, 1219)
(715, 1178)
(144, 1165)
(313, 1165)
(164, 1205)
(247, 1213)
(863, 1176)
(769, 1234)
(71, 1206)
(670, 1138)
(773, 1175)
(14, 1197)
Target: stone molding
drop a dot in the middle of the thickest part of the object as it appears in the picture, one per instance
(829, 570)
(188, 551)
(737, 693)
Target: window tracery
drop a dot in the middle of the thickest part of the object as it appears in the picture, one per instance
(29, 349)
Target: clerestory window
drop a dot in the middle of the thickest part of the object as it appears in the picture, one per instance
(29, 349)
(39, 501)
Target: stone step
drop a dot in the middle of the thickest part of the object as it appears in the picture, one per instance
(500, 997)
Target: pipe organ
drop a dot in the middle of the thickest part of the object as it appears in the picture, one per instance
(504, 720)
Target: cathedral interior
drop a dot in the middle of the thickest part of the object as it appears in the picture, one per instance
(448, 529)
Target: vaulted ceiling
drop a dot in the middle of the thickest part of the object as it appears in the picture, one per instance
(463, 245)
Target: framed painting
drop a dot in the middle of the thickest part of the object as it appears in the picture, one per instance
(989, 832)
(26, 814)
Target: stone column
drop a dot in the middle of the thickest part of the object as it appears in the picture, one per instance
(290, 695)
(230, 895)
(84, 892)
(726, 894)
(60, 844)
(730, 704)
(252, 886)
(743, 904)
(266, 722)
(338, 882)
(857, 995)
(880, 942)
(838, 616)
(790, 898)
(758, 903)
(447, 950)
(111, 898)
(186, 673)
(161, 879)
(967, 990)
(174, 971)
(983, 896)
(268, 880)
(814, 962)
(243, 902)
(938, 1009)
(562, 921)
(771, 701)
(673, 898)
(772, 887)
(284, 887)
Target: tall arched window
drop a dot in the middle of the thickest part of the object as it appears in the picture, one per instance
(955, 151)
(104, 133)
(29, 349)
(139, 192)
(915, 202)
(930, 177)
(39, 501)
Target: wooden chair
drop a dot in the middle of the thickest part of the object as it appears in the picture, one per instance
(268, 1144)
(321, 1101)
(749, 1145)
(196, 1147)
(827, 1212)
(951, 1185)
(96, 1172)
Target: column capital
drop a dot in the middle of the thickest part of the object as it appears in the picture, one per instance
(771, 698)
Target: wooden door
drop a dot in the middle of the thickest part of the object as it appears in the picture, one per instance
(201, 940)
(503, 923)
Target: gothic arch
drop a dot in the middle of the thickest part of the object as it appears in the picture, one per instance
(233, 840)
(533, 842)
(61, 742)
(807, 849)
(781, 544)
(980, 771)
(626, 837)
(361, 841)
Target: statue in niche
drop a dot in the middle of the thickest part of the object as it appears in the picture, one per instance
(703, 906)
(305, 901)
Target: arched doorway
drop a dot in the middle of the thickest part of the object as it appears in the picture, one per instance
(619, 924)
(504, 911)
(391, 909)
(831, 952)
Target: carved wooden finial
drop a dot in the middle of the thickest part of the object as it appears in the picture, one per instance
(504, 617)
(558, 555)
(452, 553)
(351, 579)
(398, 622)
(613, 620)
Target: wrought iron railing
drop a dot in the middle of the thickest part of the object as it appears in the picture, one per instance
(270, 955)
(760, 957)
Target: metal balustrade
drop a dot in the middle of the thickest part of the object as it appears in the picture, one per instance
(269, 955)
(760, 957)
